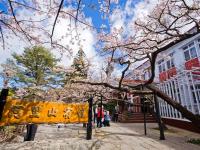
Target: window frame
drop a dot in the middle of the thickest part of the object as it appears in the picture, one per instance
(170, 62)
(161, 66)
(187, 50)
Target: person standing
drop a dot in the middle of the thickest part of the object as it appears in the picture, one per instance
(100, 115)
(130, 100)
(95, 110)
(116, 113)
(107, 119)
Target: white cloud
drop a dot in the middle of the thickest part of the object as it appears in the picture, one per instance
(66, 35)
(129, 8)
(133, 11)
(117, 19)
(123, 17)
(143, 8)
(13, 44)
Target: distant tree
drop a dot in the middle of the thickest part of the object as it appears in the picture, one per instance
(33, 67)
(79, 66)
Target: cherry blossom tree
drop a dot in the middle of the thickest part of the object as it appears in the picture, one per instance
(163, 28)
(151, 34)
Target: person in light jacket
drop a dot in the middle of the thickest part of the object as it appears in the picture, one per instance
(107, 119)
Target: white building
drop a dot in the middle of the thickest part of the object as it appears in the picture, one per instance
(178, 75)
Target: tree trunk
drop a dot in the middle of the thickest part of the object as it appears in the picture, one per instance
(195, 119)
(160, 124)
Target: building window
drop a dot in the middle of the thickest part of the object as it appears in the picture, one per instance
(190, 51)
(170, 62)
(146, 75)
(198, 42)
(161, 66)
(187, 55)
(197, 91)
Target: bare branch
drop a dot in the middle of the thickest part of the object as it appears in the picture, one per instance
(124, 71)
(54, 24)
(13, 14)
(122, 89)
(27, 6)
(2, 38)
(80, 21)
(77, 10)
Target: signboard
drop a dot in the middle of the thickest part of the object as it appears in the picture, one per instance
(38, 112)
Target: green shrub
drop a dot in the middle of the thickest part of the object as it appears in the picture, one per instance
(194, 141)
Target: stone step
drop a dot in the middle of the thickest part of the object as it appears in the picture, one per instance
(136, 118)
(130, 117)
(139, 118)
(137, 121)
(136, 114)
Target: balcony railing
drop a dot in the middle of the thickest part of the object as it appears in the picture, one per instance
(185, 89)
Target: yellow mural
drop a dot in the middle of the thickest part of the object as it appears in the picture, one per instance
(38, 112)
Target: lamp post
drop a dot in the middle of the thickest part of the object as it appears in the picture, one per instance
(144, 111)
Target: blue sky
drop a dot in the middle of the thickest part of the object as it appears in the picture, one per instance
(2, 7)
(87, 10)
(95, 16)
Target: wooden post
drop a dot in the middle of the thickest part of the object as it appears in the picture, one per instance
(162, 136)
(101, 111)
(89, 125)
(31, 131)
(3, 97)
(84, 125)
(144, 111)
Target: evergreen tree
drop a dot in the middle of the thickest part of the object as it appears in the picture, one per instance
(80, 66)
(33, 67)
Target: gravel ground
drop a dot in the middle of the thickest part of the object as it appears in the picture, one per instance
(120, 136)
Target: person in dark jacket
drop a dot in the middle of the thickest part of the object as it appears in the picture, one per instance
(100, 115)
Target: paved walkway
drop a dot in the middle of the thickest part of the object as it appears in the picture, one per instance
(119, 136)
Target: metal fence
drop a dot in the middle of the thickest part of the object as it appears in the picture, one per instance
(185, 89)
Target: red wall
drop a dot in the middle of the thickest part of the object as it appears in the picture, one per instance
(163, 76)
(192, 63)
